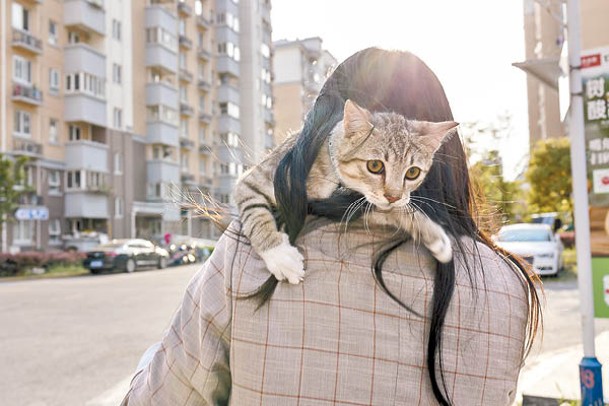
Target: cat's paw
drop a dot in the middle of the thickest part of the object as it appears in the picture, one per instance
(285, 262)
(442, 249)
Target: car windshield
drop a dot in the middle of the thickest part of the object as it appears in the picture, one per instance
(524, 235)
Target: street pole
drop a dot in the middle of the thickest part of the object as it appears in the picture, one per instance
(589, 367)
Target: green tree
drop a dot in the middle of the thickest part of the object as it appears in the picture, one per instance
(11, 187)
(549, 176)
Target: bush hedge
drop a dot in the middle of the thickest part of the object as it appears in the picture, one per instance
(22, 262)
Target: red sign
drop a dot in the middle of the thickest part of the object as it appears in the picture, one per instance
(589, 61)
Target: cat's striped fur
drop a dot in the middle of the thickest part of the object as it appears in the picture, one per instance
(383, 156)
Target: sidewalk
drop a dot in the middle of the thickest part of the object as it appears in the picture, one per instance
(556, 374)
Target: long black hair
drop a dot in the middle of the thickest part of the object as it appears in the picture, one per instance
(382, 80)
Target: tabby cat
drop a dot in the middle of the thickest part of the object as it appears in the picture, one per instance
(381, 155)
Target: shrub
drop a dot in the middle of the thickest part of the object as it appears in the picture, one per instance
(21, 262)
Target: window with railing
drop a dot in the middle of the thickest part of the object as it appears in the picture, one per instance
(22, 70)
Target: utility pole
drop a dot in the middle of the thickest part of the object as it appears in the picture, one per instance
(589, 367)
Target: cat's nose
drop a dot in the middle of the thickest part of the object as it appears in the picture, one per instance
(391, 199)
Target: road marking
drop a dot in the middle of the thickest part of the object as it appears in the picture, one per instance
(113, 396)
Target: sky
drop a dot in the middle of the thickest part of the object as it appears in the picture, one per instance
(469, 44)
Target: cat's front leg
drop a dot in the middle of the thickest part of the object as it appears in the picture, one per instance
(432, 235)
(284, 261)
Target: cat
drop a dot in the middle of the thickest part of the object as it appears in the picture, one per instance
(381, 155)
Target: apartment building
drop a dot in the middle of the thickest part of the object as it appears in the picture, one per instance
(128, 111)
(545, 36)
(300, 67)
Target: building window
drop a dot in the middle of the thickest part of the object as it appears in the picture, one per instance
(265, 50)
(230, 109)
(118, 163)
(162, 113)
(54, 80)
(53, 136)
(184, 161)
(54, 181)
(184, 128)
(183, 94)
(158, 35)
(230, 49)
(23, 232)
(22, 70)
(74, 133)
(22, 125)
(182, 60)
(86, 83)
(55, 231)
(229, 19)
(73, 37)
(52, 32)
(20, 17)
(118, 118)
(117, 73)
(116, 30)
(230, 139)
(74, 180)
(118, 207)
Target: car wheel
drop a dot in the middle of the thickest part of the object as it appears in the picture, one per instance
(162, 263)
(130, 265)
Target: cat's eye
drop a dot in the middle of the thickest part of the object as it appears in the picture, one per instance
(413, 172)
(375, 166)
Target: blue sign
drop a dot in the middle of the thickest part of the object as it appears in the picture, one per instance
(34, 213)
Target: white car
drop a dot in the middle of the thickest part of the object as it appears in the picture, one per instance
(536, 243)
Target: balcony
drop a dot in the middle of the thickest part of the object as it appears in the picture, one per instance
(83, 58)
(204, 55)
(86, 108)
(228, 124)
(161, 171)
(203, 22)
(27, 94)
(86, 204)
(228, 93)
(160, 56)
(88, 15)
(30, 199)
(205, 117)
(204, 85)
(185, 75)
(185, 42)
(226, 64)
(160, 132)
(161, 93)
(185, 143)
(88, 155)
(184, 9)
(26, 41)
(186, 110)
(27, 147)
(159, 16)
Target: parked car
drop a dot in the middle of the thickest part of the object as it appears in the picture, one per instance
(567, 235)
(126, 255)
(536, 243)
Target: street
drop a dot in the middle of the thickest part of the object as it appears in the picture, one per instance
(76, 341)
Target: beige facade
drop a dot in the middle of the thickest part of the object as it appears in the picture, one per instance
(122, 109)
(544, 39)
(300, 67)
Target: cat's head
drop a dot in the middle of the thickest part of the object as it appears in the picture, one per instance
(385, 156)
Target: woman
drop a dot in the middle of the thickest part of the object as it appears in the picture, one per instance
(413, 331)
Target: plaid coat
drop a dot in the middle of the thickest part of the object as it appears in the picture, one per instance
(336, 338)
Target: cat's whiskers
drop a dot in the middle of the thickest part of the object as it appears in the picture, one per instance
(351, 210)
(432, 200)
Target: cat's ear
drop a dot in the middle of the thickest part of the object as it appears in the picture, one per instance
(356, 119)
(435, 134)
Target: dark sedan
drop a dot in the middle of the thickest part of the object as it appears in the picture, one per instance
(126, 255)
